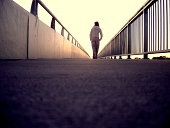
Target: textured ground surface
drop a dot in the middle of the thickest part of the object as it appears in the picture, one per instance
(84, 93)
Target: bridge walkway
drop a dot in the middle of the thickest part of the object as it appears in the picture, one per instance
(84, 93)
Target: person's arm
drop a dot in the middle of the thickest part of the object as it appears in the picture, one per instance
(101, 35)
(91, 34)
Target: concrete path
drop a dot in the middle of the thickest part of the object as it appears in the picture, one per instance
(84, 93)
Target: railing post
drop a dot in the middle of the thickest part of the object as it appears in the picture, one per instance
(145, 33)
(62, 31)
(129, 40)
(72, 40)
(68, 37)
(34, 7)
(128, 57)
(53, 23)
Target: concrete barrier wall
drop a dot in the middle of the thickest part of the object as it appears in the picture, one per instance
(13, 30)
(23, 36)
(41, 39)
(58, 45)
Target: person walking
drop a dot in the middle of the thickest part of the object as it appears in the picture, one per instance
(95, 38)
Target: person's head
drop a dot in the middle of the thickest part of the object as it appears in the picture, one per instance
(96, 23)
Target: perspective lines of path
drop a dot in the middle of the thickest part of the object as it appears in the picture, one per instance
(84, 93)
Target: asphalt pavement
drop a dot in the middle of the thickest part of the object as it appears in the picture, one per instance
(84, 93)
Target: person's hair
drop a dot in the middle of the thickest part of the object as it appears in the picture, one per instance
(96, 23)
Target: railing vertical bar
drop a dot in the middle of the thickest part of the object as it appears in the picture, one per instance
(149, 25)
(159, 37)
(126, 43)
(113, 46)
(167, 22)
(145, 33)
(141, 29)
(154, 28)
(120, 46)
(161, 32)
(154, 19)
(162, 25)
(109, 48)
(116, 46)
(166, 25)
(133, 38)
(126, 40)
(121, 41)
(129, 39)
(150, 30)
(168, 4)
(123, 45)
(139, 34)
(137, 37)
(154, 8)
(163, 18)
(142, 33)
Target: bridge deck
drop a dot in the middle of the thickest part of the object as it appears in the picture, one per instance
(84, 93)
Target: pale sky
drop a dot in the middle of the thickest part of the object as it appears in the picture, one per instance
(78, 16)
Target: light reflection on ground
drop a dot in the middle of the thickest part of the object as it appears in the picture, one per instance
(150, 56)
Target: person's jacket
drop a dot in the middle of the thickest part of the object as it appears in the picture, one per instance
(94, 33)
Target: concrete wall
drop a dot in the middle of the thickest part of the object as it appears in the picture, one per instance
(23, 36)
(13, 30)
(40, 39)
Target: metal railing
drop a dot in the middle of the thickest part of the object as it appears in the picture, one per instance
(34, 11)
(147, 32)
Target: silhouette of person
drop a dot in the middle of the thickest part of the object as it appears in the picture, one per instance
(95, 38)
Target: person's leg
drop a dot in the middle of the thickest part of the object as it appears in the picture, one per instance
(95, 52)
(97, 48)
(94, 49)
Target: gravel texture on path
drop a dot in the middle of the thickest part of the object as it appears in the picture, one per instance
(80, 93)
